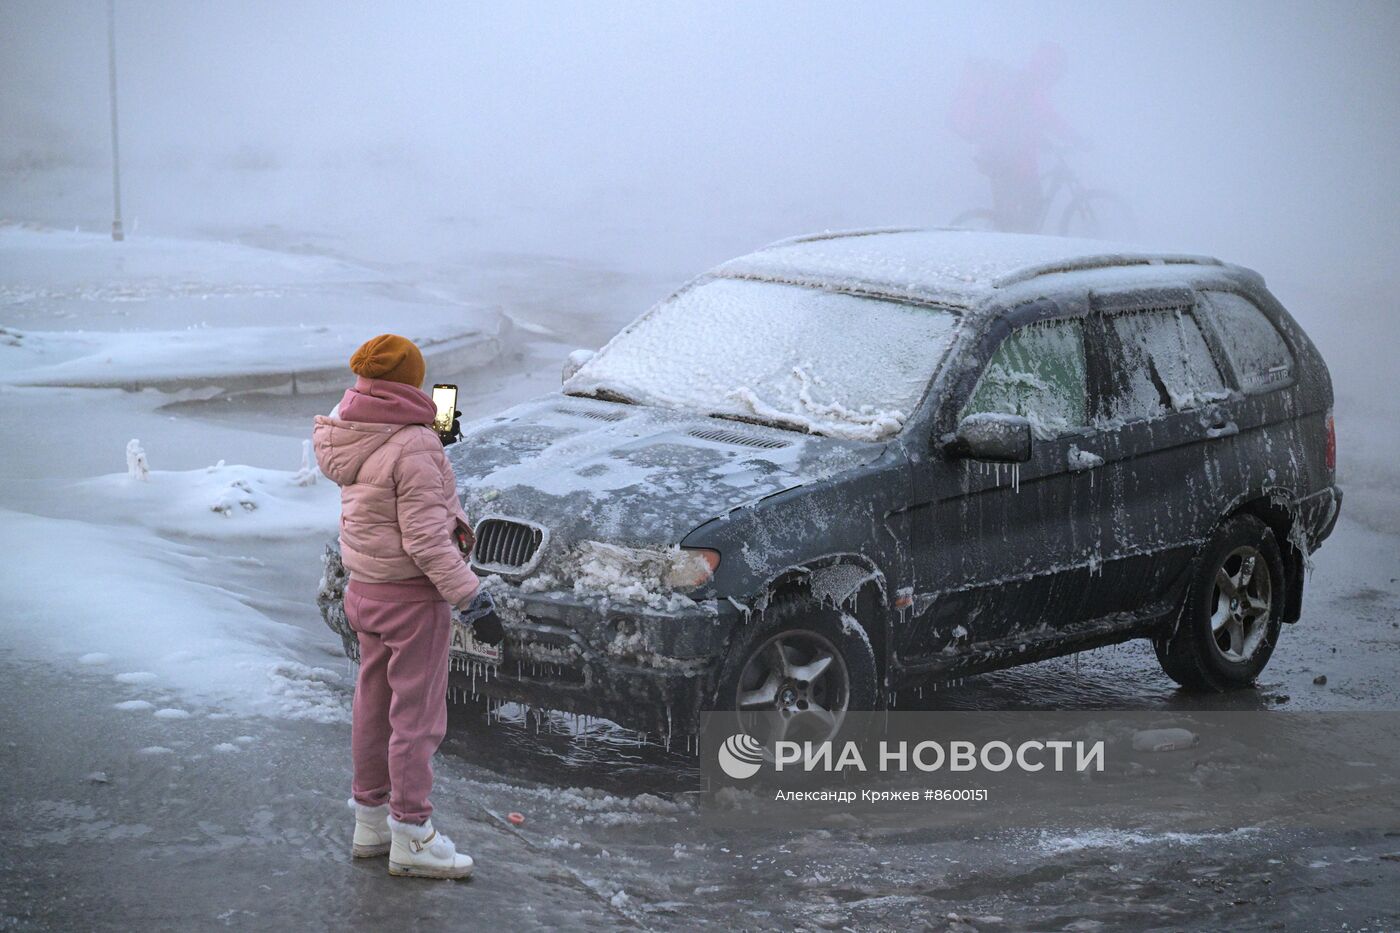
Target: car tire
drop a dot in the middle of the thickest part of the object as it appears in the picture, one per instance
(806, 635)
(1233, 613)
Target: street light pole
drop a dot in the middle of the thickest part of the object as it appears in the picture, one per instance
(117, 234)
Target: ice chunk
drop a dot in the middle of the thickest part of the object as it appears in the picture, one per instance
(1163, 740)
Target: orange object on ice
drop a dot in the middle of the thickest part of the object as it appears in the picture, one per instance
(515, 818)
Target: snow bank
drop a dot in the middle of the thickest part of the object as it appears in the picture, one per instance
(75, 588)
(224, 500)
(78, 309)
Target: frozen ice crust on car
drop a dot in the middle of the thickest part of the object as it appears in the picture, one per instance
(819, 361)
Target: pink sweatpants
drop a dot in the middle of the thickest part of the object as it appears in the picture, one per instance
(400, 711)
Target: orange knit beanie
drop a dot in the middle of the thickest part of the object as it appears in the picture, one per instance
(390, 357)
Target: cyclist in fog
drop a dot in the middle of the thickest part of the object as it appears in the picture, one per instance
(1008, 115)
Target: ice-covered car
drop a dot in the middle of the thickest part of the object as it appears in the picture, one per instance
(848, 464)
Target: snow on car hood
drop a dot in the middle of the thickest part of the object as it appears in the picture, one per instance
(628, 474)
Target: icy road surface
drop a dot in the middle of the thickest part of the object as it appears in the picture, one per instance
(175, 749)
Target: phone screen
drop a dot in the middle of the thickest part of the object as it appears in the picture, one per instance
(445, 398)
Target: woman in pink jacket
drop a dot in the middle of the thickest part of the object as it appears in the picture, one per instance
(399, 520)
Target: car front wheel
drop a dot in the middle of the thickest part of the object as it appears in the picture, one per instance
(1233, 612)
(795, 671)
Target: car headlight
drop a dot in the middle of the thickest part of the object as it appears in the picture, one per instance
(692, 567)
(611, 568)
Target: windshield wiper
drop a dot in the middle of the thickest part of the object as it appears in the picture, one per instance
(781, 424)
(605, 395)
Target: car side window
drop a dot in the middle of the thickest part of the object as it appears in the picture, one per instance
(1258, 352)
(1162, 363)
(1037, 372)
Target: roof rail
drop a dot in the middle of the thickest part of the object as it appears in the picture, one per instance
(839, 235)
(1106, 261)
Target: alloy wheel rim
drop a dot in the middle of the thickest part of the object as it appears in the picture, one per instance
(794, 687)
(1241, 600)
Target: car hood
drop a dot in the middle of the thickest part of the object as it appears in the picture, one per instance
(629, 474)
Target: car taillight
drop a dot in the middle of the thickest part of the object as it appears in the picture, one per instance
(1331, 456)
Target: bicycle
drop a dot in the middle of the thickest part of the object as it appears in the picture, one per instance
(1087, 212)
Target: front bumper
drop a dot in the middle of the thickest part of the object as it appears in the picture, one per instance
(644, 668)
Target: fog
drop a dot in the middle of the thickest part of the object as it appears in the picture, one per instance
(662, 137)
(506, 182)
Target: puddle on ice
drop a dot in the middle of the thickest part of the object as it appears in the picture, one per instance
(565, 749)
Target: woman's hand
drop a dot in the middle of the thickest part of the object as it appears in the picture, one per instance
(480, 615)
(465, 538)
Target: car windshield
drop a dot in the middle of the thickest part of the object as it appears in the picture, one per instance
(795, 357)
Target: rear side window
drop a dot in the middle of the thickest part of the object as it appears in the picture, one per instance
(1161, 363)
(1038, 373)
(1261, 359)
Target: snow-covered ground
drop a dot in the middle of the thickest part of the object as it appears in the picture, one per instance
(146, 610)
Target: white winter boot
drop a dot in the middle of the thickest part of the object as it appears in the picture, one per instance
(423, 852)
(372, 835)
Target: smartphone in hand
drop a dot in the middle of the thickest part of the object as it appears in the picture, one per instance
(444, 422)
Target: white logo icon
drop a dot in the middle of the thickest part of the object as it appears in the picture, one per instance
(740, 756)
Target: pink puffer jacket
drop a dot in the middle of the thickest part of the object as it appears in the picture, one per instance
(398, 498)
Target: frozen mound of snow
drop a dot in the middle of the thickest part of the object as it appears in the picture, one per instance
(224, 500)
(78, 309)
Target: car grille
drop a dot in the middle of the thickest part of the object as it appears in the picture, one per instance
(502, 544)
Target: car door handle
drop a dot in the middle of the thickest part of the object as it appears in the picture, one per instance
(1080, 460)
(1222, 429)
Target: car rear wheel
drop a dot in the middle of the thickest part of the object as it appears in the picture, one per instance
(793, 673)
(1233, 612)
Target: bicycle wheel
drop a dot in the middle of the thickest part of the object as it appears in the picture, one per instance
(1101, 214)
(981, 218)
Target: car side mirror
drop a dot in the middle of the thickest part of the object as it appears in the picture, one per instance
(574, 362)
(992, 437)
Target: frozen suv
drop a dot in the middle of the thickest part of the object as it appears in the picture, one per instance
(848, 464)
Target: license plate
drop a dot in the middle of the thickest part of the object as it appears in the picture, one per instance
(464, 642)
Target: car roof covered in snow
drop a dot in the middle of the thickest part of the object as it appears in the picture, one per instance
(954, 267)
